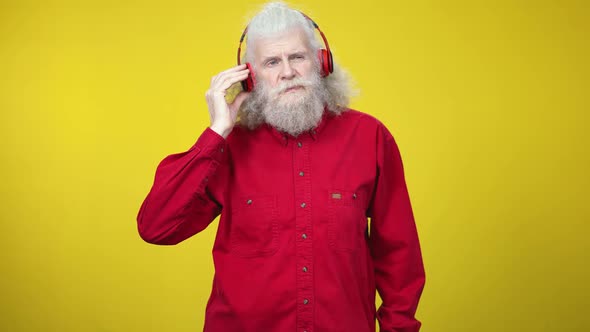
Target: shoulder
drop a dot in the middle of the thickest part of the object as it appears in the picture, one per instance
(353, 117)
(240, 132)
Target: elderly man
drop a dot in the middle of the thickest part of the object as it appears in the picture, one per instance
(295, 175)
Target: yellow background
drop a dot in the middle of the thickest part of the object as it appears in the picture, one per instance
(486, 99)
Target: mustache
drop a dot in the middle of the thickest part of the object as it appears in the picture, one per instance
(284, 86)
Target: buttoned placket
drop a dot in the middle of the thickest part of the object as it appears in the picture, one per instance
(303, 227)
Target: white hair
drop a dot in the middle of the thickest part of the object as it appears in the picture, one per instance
(276, 18)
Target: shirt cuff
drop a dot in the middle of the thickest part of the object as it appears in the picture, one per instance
(211, 144)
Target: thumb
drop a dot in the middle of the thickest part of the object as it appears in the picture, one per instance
(239, 100)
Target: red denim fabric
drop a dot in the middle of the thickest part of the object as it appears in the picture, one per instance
(293, 250)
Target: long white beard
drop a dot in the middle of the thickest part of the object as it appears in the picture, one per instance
(294, 112)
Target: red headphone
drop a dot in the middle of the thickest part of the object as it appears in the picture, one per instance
(324, 55)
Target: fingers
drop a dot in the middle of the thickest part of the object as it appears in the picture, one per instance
(225, 79)
(232, 69)
(224, 73)
(235, 68)
(224, 83)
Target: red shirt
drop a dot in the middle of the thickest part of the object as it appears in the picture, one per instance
(293, 250)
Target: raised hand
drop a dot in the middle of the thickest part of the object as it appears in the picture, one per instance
(223, 115)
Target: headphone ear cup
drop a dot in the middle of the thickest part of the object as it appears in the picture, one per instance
(326, 64)
(330, 62)
(250, 81)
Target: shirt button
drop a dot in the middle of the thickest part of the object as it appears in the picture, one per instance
(249, 202)
(301, 173)
(221, 149)
(299, 144)
(304, 236)
(302, 205)
(304, 269)
(306, 301)
(354, 196)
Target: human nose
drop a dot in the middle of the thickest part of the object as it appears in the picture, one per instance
(287, 71)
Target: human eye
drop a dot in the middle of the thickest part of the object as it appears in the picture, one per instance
(271, 62)
(298, 56)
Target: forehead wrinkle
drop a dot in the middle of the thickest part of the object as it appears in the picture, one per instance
(281, 53)
(295, 41)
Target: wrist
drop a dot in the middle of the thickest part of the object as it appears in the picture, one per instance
(223, 131)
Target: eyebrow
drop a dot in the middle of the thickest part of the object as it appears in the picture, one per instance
(264, 60)
(272, 57)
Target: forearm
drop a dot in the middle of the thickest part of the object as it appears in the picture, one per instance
(397, 259)
(400, 280)
(178, 204)
(395, 247)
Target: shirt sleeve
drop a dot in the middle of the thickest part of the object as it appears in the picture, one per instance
(395, 248)
(179, 203)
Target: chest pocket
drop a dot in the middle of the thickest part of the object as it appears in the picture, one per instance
(254, 229)
(347, 221)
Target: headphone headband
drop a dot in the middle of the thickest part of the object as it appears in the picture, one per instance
(307, 17)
